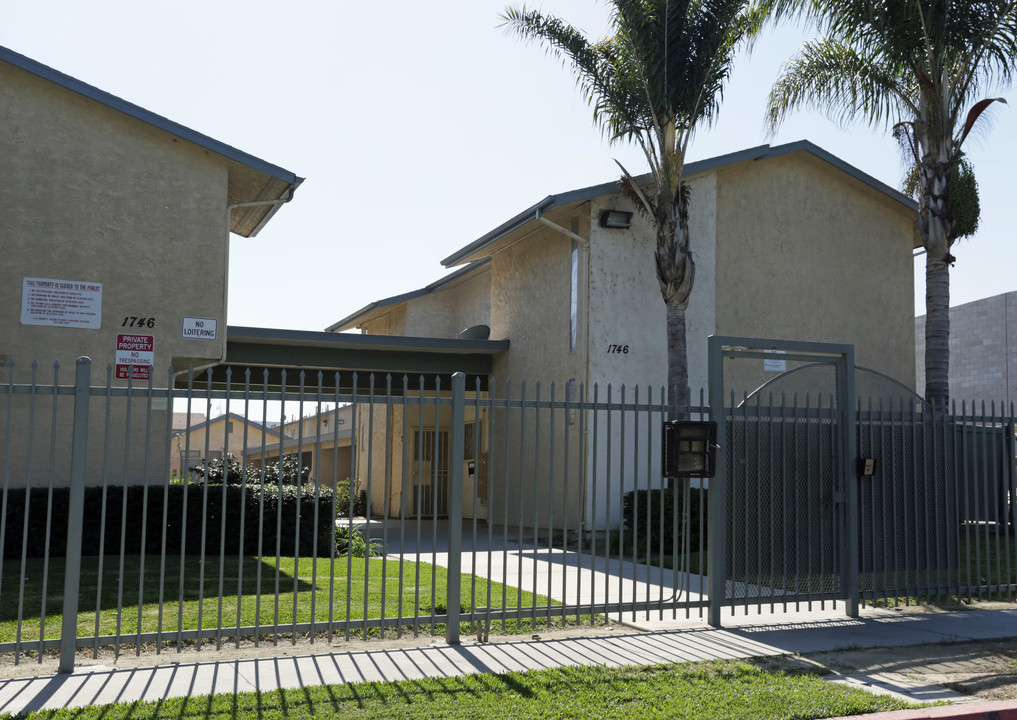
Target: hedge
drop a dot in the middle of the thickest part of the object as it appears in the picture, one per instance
(143, 521)
(648, 505)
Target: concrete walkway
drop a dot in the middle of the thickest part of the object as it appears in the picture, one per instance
(746, 637)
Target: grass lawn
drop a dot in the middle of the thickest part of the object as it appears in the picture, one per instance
(353, 589)
(709, 690)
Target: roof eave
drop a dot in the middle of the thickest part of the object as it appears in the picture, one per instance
(132, 110)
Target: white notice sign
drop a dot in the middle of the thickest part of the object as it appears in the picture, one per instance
(61, 303)
(199, 328)
(775, 365)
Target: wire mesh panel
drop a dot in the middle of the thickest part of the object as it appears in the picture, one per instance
(784, 536)
(908, 504)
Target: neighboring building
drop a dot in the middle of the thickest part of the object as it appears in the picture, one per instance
(982, 367)
(182, 421)
(789, 242)
(228, 434)
(115, 236)
(322, 440)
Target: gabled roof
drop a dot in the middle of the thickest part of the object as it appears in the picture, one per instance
(476, 249)
(223, 418)
(350, 320)
(250, 179)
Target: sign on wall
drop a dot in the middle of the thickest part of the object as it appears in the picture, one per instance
(774, 364)
(136, 350)
(61, 303)
(199, 328)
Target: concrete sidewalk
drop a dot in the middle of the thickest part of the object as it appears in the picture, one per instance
(746, 636)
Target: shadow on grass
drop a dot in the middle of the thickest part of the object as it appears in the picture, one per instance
(188, 578)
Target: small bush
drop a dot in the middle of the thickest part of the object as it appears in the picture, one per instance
(347, 493)
(644, 527)
(352, 541)
(232, 472)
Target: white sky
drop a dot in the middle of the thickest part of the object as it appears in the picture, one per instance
(419, 128)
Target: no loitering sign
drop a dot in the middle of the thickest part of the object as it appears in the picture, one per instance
(199, 328)
(137, 351)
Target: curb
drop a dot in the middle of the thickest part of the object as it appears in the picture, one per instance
(1002, 710)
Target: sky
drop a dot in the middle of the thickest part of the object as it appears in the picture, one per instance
(419, 127)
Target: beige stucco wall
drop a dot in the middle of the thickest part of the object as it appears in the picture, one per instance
(625, 305)
(92, 195)
(530, 284)
(626, 310)
(449, 310)
(824, 259)
(530, 306)
(442, 313)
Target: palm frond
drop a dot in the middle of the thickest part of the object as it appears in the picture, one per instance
(835, 79)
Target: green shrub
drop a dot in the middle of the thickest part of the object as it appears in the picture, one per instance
(287, 470)
(645, 529)
(352, 541)
(233, 515)
(347, 493)
(232, 471)
(219, 470)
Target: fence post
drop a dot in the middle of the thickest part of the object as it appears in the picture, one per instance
(455, 507)
(849, 470)
(75, 515)
(717, 491)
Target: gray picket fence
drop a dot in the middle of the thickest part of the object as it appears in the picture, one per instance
(325, 507)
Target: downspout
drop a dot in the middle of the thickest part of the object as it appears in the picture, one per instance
(584, 250)
(555, 226)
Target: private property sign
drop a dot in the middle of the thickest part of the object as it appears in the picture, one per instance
(136, 350)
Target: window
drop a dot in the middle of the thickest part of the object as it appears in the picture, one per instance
(574, 294)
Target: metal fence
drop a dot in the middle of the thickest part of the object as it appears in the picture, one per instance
(321, 507)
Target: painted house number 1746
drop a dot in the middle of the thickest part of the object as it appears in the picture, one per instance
(618, 349)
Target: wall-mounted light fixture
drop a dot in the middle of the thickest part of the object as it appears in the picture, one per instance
(620, 219)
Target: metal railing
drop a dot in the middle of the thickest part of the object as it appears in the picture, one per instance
(438, 509)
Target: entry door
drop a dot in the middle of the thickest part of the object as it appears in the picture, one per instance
(474, 475)
(430, 472)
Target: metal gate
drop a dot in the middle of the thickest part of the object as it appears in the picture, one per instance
(782, 508)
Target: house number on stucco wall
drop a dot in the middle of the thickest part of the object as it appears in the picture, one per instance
(138, 322)
(618, 349)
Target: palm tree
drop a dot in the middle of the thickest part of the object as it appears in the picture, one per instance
(656, 79)
(921, 65)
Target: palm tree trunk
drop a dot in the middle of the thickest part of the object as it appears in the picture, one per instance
(677, 353)
(937, 331)
(676, 272)
(934, 226)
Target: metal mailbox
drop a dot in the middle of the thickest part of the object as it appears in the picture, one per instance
(689, 448)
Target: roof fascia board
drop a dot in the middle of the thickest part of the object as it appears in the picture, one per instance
(758, 152)
(112, 101)
(351, 341)
(583, 194)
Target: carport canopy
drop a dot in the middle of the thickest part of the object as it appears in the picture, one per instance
(346, 359)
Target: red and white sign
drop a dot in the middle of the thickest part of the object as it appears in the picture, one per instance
(136, 350)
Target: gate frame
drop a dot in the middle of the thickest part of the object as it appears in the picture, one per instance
(842, 357)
